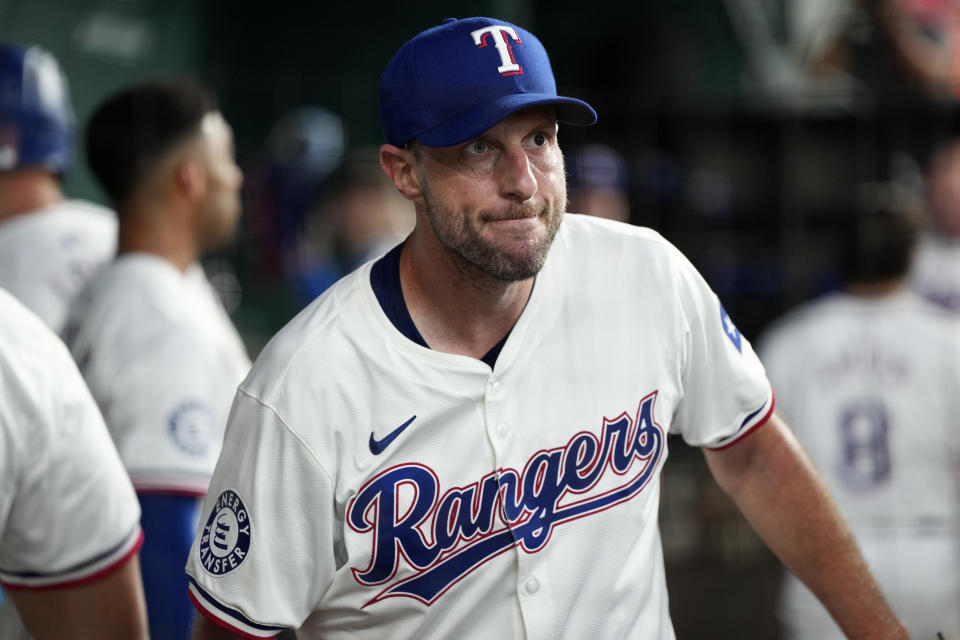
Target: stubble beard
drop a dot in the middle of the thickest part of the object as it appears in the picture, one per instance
(463, 240)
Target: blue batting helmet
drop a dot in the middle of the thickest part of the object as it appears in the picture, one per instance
(36, 118)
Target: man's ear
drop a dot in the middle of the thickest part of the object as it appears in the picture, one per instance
(397, 163)
(191, 179)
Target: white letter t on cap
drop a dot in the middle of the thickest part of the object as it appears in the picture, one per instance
(508, 66)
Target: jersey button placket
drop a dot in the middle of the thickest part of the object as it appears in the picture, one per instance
(497, 429)
(536, 601)
(494, 389)
(531, 586)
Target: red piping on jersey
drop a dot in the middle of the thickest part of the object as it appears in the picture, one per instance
(223, 624)
(760, 423)
(93, 577)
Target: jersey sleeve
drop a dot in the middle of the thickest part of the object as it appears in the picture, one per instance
(778, 349)
(167, 411)
(726, 394)
(68, 513)
(263, 555)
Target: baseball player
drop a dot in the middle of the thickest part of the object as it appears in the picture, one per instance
(935, 273)
(868, 378)
(153, 342)
(49, 246)
(69, 531)
(598, 182)
(464, 438)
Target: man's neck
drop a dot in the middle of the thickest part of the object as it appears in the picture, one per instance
(457, 308)
(157, 232)
(875, 289)
(27, 190)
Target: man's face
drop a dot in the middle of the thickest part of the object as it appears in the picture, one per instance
(495, 203)
(221, 207)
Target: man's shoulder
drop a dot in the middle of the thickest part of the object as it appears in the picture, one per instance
(805, 317)
(586, 235)
(318, 335)
(837, 311)
(65, 215)
(138, 280)
(34, 364)
(23, 335)
(128, 304)
(594, 248)
(585, 226)
(87, 211)
(59, 233)
(930, 321)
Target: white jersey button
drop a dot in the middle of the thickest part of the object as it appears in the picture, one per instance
(531, 586)
(494, 389)
(502, 430)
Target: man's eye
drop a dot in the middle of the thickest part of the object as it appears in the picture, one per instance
(477, 146)
(539, 139)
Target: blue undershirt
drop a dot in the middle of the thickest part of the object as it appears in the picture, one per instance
(385, 280)
(169, 523)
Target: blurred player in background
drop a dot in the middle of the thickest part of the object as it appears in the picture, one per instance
(152, 340)
(285, 238)
(869, 379)
(598, 182)
(464, 438)
(936, 270)
(49, 246)
(285, 182)
(359, 216)
(69, 531)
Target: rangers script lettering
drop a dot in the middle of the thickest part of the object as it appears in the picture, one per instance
(527, 505)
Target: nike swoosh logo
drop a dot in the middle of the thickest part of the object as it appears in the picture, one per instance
(377, 446)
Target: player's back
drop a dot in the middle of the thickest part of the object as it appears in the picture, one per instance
(871, 386)
(46, 256)
(864, 383)
(162, 360)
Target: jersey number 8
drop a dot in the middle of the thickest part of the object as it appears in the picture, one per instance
(864, 445)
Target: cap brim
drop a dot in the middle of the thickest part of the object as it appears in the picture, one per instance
(472, 123)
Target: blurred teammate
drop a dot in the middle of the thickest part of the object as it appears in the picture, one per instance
(936, 270)
(69, 534)
(464, 438)
(301, 151)
(869, 378)
(155, 346)
(359, 217)
(599, 182)
(49, 246)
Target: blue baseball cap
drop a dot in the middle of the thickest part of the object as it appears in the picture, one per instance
(36, 116)
(453, 82)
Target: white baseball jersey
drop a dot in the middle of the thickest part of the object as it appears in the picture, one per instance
(162, 360)
(67, 511)
(370, 487)
(871, 386)
(47, 255)
(936, 270)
